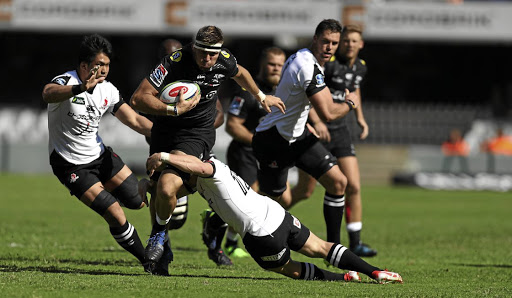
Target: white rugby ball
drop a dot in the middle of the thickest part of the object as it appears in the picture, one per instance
(169, 94)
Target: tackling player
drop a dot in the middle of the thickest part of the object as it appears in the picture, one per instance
(268, 231)
(92, 171)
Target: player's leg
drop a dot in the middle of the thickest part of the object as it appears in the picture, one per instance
(106, 205)
(120, 182)
(167, 189)
(320, 164)
(353, 206)
(339, 256)
(301, 191)
(213, 232)
(161, 267)
(299, 238)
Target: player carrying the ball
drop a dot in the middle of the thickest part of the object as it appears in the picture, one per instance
(187, 127)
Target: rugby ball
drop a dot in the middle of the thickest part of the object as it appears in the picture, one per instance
(169, 94)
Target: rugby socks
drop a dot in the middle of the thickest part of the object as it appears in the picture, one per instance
(354, 233)
(339, 256)
(160, 224)
(219, 226)
(231, 238)
(333, 214)
(312, 272)
(128, 238)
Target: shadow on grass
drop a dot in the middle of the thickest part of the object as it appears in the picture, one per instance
(483, 265)
(53, 269)
(73, 261)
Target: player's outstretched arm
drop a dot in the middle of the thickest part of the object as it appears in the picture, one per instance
(245, 80)
(186, 163)
(130, 118)
(53, 93)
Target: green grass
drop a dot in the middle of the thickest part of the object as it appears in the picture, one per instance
(444, 244)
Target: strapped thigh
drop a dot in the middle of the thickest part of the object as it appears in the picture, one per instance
(127, 193)
(102, 201)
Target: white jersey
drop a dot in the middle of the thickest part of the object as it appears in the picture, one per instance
(237, 204)
(73, 123)
(302, 77)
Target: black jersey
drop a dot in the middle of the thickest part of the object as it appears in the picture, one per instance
(244, 105)
(180, 65)
(338, 76)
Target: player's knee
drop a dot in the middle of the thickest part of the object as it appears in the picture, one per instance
(179, 215)
(353, 189)
(169, 189)
(127, 193)
(338, 184)
(102, 202)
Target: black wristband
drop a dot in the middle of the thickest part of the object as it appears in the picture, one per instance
(76, 89)
(351, 104)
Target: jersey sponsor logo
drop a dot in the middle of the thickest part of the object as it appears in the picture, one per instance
(73, 177)
(84, 117)
(225, 54)
(275, 257)
(78, 100)
(62, 80)
(296, 222)
(319, 80)
(211, 94)
(236, 105)
(176, 56)
(158, 75)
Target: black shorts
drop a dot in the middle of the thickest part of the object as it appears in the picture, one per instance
(341, 142)
(273, 251)
(241, 160)
(79, 178)
(192, 141)
(276, 156)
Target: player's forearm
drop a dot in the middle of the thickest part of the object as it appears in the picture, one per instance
(313, 116)
(143, 126)
(239, 133)
(187, 163)
(53, 93)
(148, 104)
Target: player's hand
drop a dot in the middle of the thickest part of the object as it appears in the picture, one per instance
(187, 105)
(144, 187)
(353, 97)
(322, 131)
(365, 130)
(154, 163)
(93, 78)
(272, 101)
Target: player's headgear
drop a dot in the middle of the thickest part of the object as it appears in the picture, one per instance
(209, 38)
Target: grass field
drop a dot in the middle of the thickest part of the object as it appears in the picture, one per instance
(444, 244)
